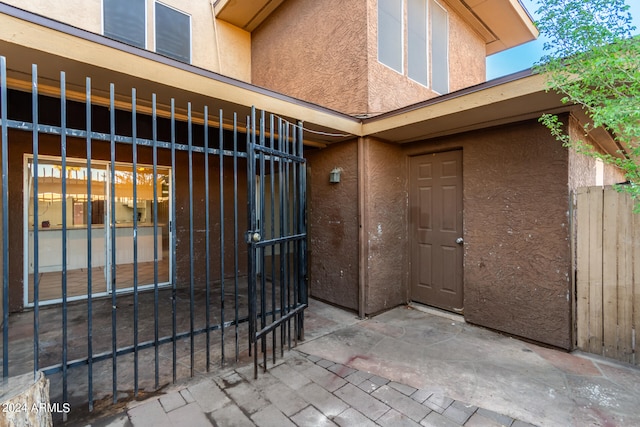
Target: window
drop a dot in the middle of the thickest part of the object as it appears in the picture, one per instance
(417, 46)
(124, 20)
(390, 33)
(173, 33)
(427, 46)
(439, 48)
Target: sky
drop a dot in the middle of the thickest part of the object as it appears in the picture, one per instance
(524, 56)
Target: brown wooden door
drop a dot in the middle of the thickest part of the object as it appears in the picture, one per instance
(436, 230)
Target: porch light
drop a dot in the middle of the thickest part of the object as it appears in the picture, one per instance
(334, 176)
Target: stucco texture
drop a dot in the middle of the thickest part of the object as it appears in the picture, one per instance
(332, 212)
(385, 226)
(314, 51)
(389, 89)
(517, 262)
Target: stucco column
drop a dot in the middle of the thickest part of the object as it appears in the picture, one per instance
(362, 228)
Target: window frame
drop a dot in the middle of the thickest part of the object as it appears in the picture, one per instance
(402, 38)
(146, 24)
(428, 82)
(155, 31)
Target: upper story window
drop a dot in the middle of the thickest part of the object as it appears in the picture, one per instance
(125, 20)
(426, 51)
(173, 33)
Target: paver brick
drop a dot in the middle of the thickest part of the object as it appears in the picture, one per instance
(290, 377)
(368, 386)
(435, 419)
(362, 401)
(271, 416)
(208, 395)
(357, 377)
(326, 402)
(311, 417)
(285, 399)
(478, 420)
(325, 363)
(402, 388)
(341, 370)
(378, 380)
(438, 402)
(186, 395)
(324, 378)
(458, 412)
(150, 414)
(421, 395)
(189, 415)
(394, 418)
(351, 417)
(230, 415)
(172, 401)
(518, 423)
(247, 396)
(499, 418)
(402, 403)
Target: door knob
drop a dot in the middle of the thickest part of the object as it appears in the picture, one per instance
(459, 240)
(256, 237)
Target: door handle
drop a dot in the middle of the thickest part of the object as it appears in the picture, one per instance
(459, 240)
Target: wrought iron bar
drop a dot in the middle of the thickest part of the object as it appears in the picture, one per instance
(173, 228)
(36, 213)
(4, 115)
(89, 246)
(191, 252)
(221, 177)
(156, 296)
(134, 178)
(207, 272)
(63, 152)
(112, 244)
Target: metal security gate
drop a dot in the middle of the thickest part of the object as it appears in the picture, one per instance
(277, 236)
(137, 257)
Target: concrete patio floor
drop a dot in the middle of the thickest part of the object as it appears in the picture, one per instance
(440, 362)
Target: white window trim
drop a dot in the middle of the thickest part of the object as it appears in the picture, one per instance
(155, 45)
(25, 223)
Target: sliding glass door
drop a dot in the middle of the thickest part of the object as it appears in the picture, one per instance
(62, 222)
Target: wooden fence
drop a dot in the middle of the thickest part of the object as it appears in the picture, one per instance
(607, 253)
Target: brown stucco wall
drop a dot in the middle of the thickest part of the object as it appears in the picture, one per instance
(517, 262)
(517, 234)
(385, 226)
(315, 51)
(332, 212)
(582, 168)
(326, 53)
(389, 89)
(21, 143)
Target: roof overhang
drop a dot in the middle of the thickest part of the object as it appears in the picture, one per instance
(515, 98)
(27, 39)
(502, 24)
(246, 14)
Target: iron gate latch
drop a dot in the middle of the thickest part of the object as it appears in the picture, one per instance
(253, 236)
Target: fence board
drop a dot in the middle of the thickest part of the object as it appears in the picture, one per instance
(607, 273)
(582, 274)
(636, 286)
(595, 271)
(625, 280)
